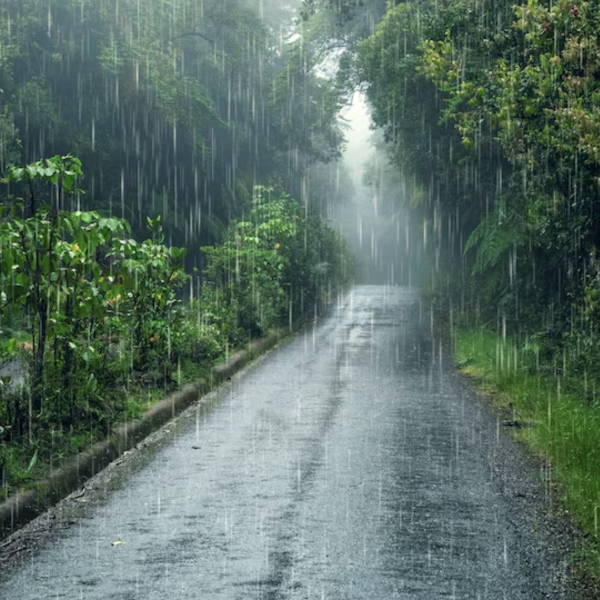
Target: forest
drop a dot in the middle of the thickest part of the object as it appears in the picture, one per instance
(151, 154)
(196, 123)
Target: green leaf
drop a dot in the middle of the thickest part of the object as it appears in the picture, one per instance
(16, 174)
(32, 463)
(33, 171)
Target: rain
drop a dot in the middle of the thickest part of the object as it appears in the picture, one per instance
(299, 299)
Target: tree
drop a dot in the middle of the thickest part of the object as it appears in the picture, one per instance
(176, 108)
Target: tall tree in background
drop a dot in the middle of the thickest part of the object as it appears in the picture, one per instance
(175, 108)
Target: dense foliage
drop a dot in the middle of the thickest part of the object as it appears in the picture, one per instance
(490, 114)
(85, 307)
(176, 108)
(95, 316)
(273, 266)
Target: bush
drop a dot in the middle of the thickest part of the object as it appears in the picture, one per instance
(277, 263)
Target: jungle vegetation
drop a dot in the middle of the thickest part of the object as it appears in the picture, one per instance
(150, 154)
(174, 108)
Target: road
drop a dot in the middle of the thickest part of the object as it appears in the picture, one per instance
(351, 463)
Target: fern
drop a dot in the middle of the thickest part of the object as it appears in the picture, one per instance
(494, 237)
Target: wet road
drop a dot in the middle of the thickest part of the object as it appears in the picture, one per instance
(351, 463)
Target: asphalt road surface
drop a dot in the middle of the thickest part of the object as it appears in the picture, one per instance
(351, 463)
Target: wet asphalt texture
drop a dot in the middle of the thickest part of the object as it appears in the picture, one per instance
(351, 463)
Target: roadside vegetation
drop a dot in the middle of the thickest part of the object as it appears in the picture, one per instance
(554, 416)
(97, 317)
(120, 285)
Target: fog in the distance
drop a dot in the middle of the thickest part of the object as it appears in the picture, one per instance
(388, 246)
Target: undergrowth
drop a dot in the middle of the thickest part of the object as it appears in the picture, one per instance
(22, 463)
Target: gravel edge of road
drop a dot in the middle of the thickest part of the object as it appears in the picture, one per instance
(29, 505)
(526, 479)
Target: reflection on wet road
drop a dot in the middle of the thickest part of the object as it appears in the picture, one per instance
(349, 464)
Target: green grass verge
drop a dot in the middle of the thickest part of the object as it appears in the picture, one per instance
(560, 427)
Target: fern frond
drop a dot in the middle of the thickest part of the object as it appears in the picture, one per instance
(494, 237)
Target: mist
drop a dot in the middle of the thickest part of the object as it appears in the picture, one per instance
(294, 223)
(377, 220)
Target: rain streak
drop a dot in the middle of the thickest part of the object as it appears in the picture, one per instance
(299, 300)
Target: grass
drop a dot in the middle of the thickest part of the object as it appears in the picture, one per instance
(562, 427)
(19, 469)
(52, 443)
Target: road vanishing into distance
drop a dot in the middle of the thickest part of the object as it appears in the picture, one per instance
(350, 463)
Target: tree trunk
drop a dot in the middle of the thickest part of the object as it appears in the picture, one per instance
(38, 369)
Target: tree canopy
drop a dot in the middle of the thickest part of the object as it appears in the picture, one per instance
(176, 108)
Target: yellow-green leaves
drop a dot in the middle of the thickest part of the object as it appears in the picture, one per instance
(441, 64)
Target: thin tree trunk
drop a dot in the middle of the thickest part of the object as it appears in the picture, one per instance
(38, 371)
